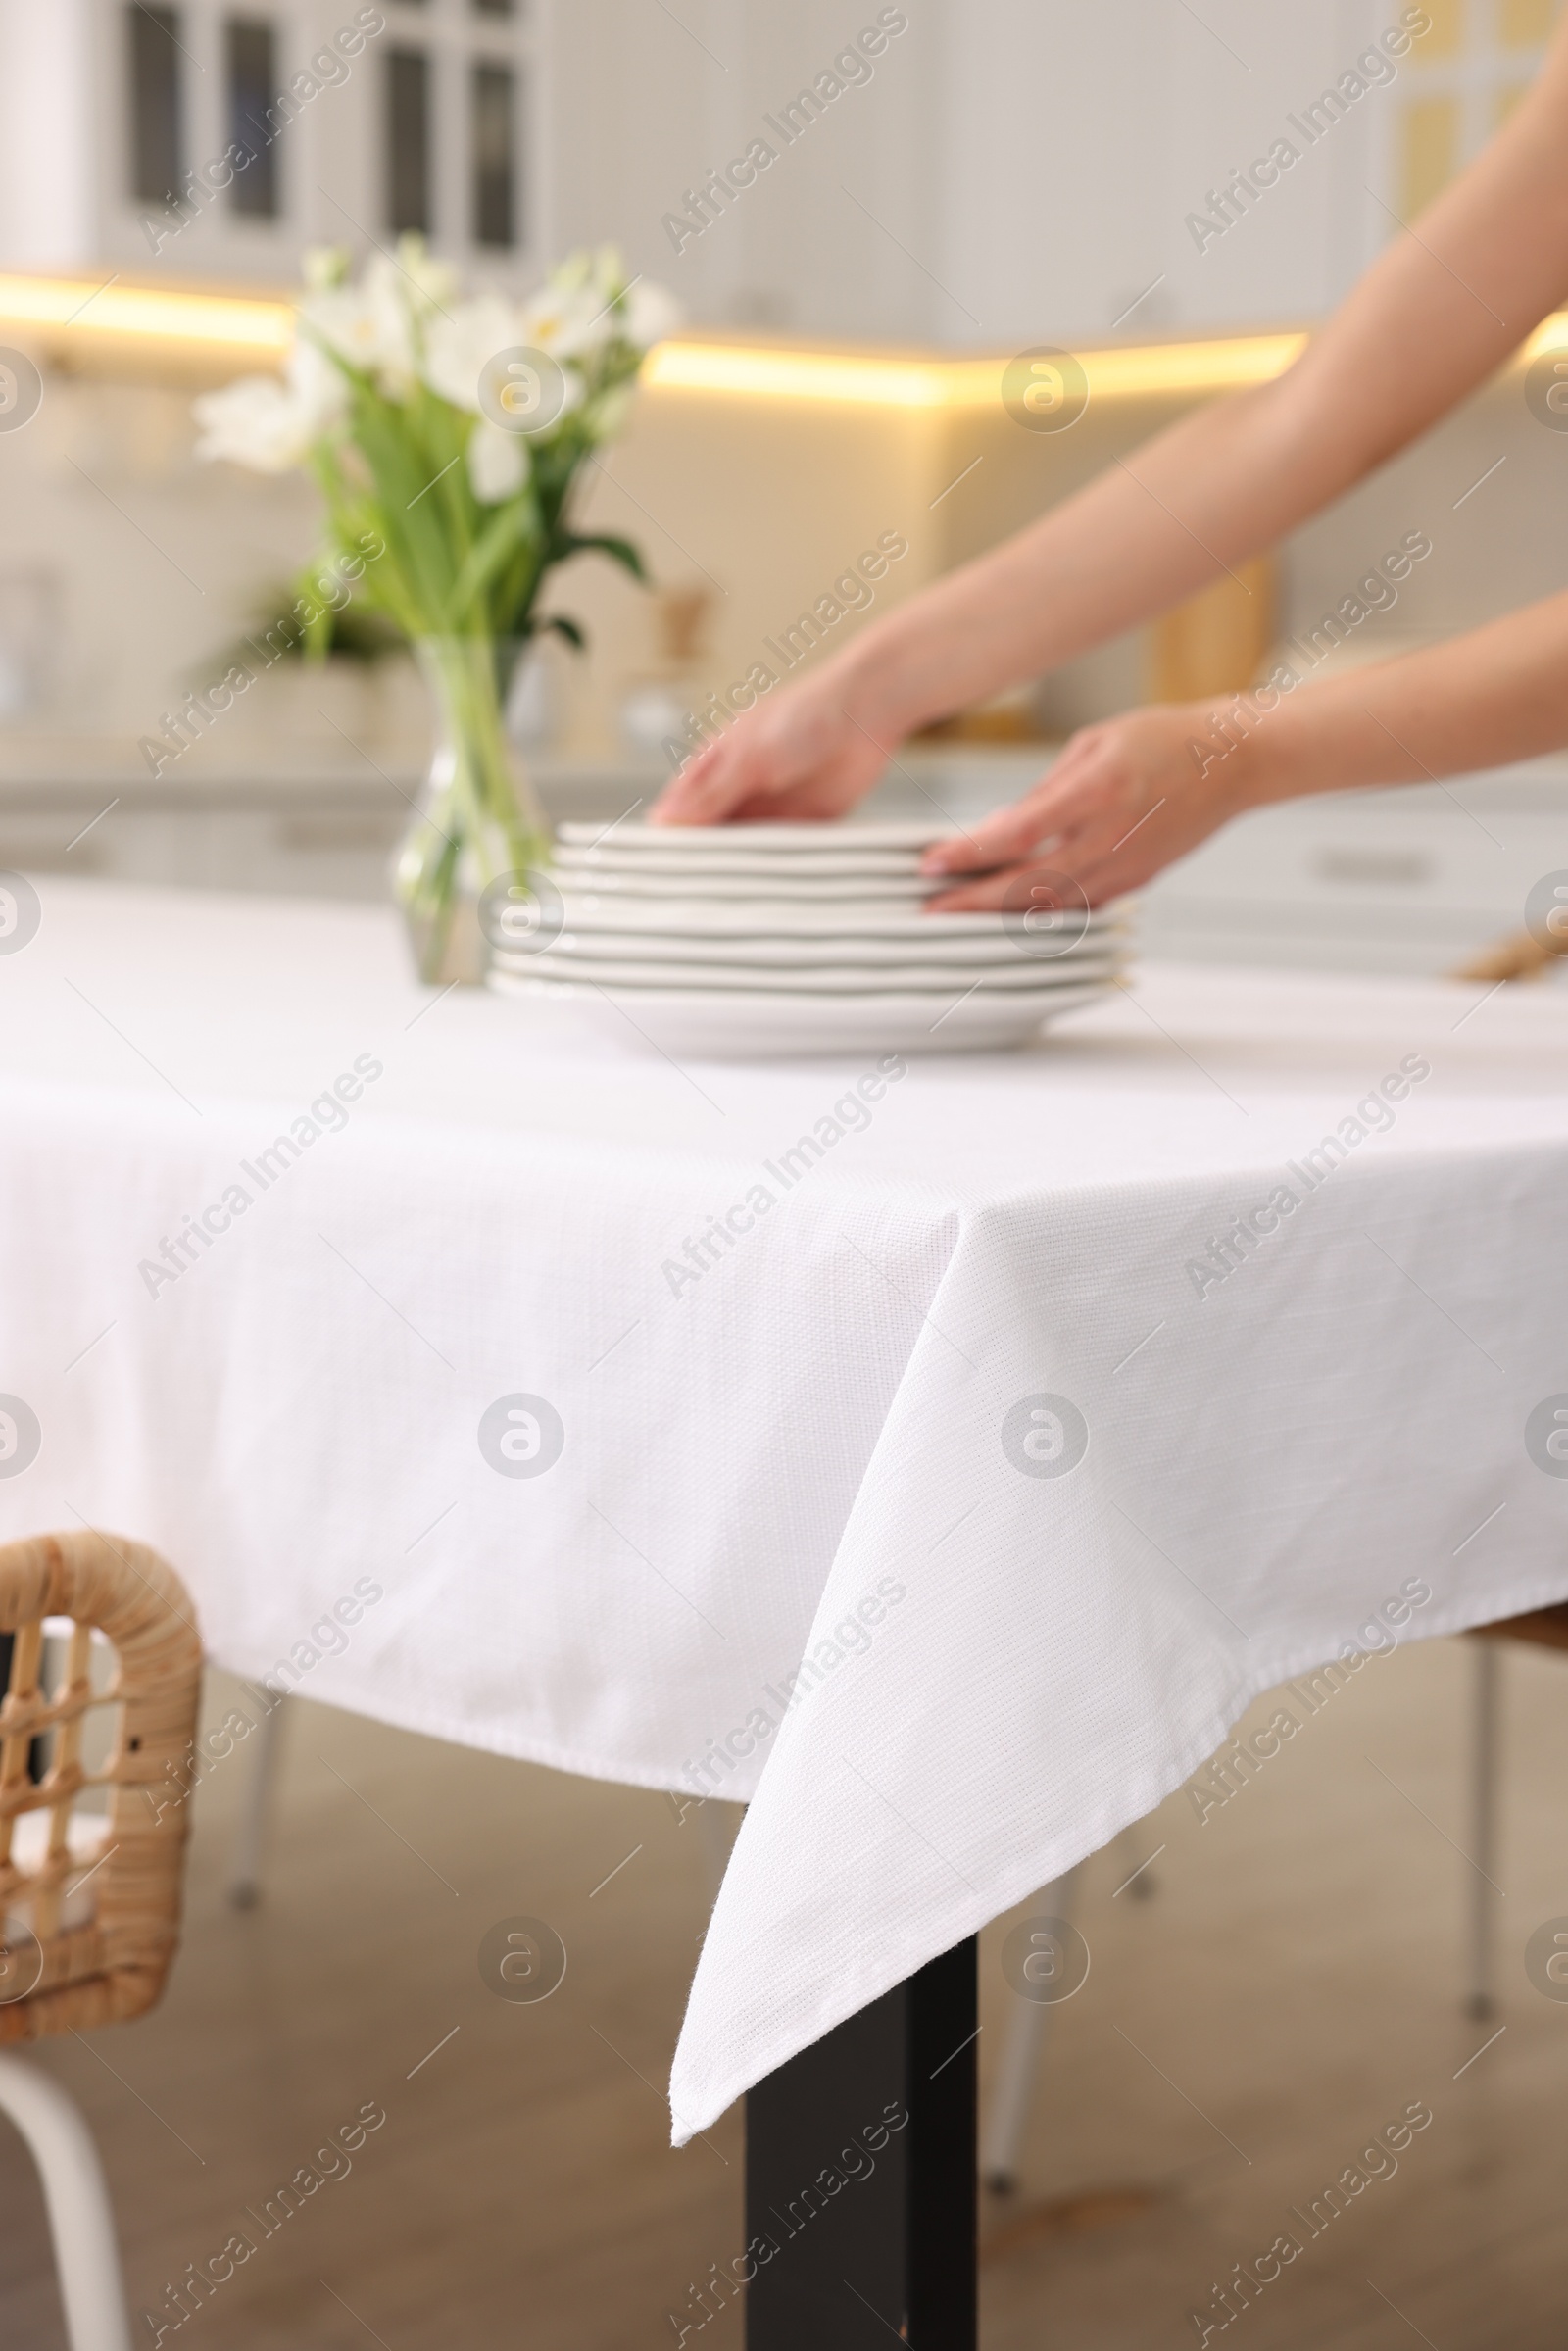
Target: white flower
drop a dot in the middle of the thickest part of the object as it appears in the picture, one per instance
(580, 268)
(367, 325)
(606, 270)
(498, 463)
(457, 347)
(567, 322)
(587, 303)
(426, 285)
(318, 385)
(324, 265)
(378, 324)
(251, 422)
(403, 321)
(272, 426)
(648, 315)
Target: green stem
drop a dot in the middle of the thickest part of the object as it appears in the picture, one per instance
(479, 819)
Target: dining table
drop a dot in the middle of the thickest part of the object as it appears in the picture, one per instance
(935, 1452)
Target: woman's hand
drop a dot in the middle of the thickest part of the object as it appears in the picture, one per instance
(798, 755)
(1125, 799)
(1409, 343)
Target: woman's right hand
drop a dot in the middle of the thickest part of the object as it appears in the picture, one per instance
(799, 754)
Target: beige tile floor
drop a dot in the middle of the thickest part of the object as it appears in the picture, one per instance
(1289, 1987)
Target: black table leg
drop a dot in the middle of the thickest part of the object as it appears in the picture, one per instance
(860, 2177)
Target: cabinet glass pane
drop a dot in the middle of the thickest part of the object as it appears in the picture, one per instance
(251, 44)
(494, 153)
(157, 138)
(408, 140)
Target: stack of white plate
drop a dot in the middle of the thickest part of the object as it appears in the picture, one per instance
(793, 938)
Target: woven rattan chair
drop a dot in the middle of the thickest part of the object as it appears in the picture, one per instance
(90, 1899)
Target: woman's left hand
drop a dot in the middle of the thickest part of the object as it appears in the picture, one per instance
(1125, 799)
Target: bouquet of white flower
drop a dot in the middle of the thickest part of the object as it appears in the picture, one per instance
(450, 432)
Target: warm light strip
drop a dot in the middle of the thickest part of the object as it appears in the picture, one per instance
(796, 375)
(252, 325)
(1219, 366)
(934, 384)
(229, 321)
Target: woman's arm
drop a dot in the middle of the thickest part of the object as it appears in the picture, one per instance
(1129, 796)
(1437, 315)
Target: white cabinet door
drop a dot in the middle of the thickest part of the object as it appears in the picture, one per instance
(1377, 881)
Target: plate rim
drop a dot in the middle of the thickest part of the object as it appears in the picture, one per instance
(873, 928)
(939, 982)
(519, 983)
(805, 834)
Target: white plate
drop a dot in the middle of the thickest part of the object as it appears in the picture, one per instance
(760, 964)
(707, 920)
(945, 980)
(727, 1026)
(725, 888)
(887, 865)
(911, 943)
(832, 837)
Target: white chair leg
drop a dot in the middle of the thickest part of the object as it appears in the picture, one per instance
(245, 1870)
(1013, 2090)
(80, 2220)
(1488, 1670)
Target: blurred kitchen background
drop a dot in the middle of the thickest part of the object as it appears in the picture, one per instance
(1005, 175)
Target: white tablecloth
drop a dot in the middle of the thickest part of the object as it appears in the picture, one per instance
(809, 1443)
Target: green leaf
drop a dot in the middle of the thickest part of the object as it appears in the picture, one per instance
(450, 563)
(513, 526)
(574, 635)
(316, 641)
(602, 542)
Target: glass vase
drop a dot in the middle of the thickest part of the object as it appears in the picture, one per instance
(477, 819)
